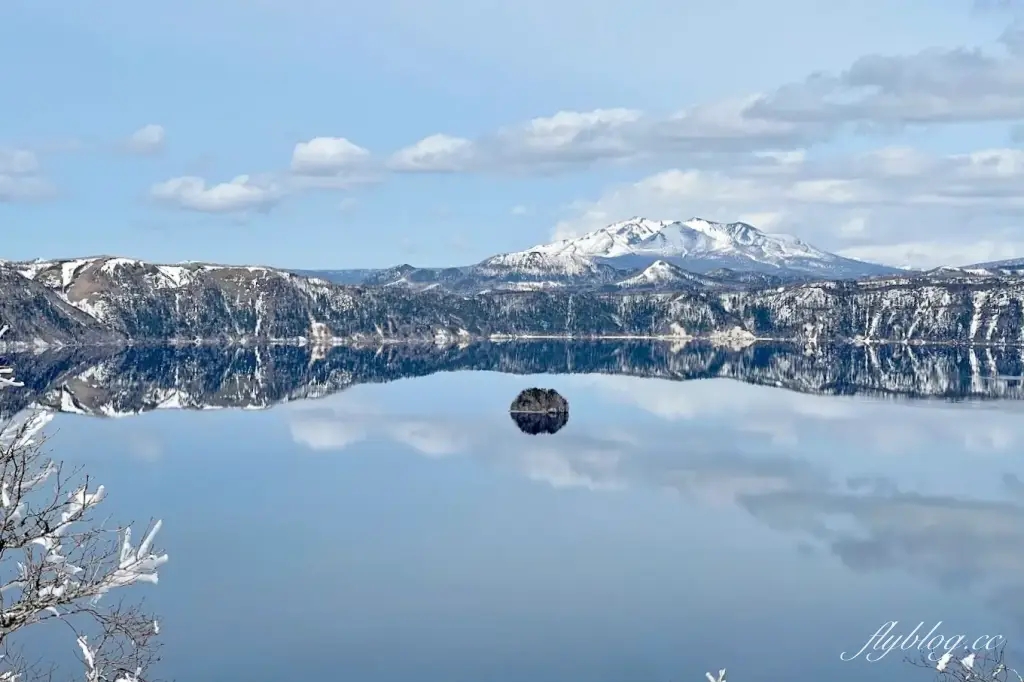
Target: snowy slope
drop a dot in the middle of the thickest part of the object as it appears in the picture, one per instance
(700, 245)
(535, 263)
(662, 275)
(617, 239)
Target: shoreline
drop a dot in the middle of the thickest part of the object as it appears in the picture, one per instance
(447, 340)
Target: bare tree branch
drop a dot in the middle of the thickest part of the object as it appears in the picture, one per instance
(57, 562)
(974, 666)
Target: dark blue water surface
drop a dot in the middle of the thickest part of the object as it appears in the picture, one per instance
(408, 531)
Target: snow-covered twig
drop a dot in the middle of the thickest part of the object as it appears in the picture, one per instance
(56, 564)
(972, 666)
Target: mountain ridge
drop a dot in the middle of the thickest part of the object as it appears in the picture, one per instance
(120, 300)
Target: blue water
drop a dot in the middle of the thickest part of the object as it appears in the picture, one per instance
(408, 531)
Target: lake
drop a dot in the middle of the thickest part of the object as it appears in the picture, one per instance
(386, 521)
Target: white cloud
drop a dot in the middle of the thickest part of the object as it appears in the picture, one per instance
(20, 179)
(436, 153)
(327, 156)
(18, 162)
(854, 227)
(15, 188)
(243, 193)
(520, 210)
(596, 130)
(766, 221)
(148, 139)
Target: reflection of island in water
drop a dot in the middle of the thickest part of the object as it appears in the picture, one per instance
(539, 410)
(535, 423)
(113, 380)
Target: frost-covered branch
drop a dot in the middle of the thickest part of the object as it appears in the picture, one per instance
(57, 562)
(975, 666)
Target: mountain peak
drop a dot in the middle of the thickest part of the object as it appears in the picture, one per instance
(699, 244)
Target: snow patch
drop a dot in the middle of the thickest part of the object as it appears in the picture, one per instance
(113, 264)
(172, 276)
(68, 270)
(535, 262)
(32, 270)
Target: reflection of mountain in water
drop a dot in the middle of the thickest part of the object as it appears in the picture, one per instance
(535, 423)
(118, 380)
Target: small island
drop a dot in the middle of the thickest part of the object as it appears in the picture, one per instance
(539, 400)
(539, 410)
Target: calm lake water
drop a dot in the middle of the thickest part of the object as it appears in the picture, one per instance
(408, 531)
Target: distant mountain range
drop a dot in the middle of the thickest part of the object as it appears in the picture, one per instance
(733, 255)
(106, 300)
(636, 279)
(1013, 266)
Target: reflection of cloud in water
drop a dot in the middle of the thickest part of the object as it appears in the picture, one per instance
(881, 485)
(436, 440)
(969, 534)
(320, 434)
(145, 446)
(316, 429)
(895, 426)
(581, 459)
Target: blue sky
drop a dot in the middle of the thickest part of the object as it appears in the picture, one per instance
(315, 134)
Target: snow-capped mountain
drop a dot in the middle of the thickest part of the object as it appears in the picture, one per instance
(735, 255)
(700, 245)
